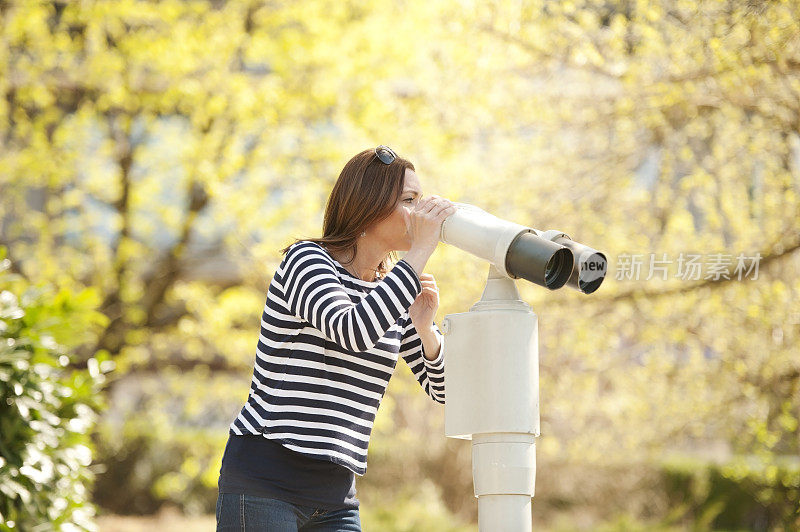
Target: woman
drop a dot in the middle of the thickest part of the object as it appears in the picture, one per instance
(336, 319)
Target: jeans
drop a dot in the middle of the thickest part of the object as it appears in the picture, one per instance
(244, 513)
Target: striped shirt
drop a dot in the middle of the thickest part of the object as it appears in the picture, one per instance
(328, 346)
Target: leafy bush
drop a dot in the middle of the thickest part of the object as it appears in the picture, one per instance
(46, 409)
(417, 509)
(745, 492)
(161, 440)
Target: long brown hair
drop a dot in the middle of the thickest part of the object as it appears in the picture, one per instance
(365, 193)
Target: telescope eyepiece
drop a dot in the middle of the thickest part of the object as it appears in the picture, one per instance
(558, 269)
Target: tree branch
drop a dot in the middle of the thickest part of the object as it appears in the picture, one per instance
(766, 259)
(538, 52)
(170, 268)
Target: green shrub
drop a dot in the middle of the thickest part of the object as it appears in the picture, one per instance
(46, 410)
(743, 493)
(161, 440)
(417, 509)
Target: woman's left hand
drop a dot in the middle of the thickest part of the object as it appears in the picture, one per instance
(423, 309)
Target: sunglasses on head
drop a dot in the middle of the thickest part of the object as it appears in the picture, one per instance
(385, 154)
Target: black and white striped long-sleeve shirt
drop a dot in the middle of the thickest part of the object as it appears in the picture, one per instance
(328, 346)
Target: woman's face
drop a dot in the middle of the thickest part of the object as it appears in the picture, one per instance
(392, 231)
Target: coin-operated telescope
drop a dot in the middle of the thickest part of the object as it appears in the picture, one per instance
(546, 258)
(492, 355)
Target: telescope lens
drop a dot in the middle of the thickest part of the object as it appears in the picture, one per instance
(591, 271)
(548, 269)
(557, 268)
(539, 261)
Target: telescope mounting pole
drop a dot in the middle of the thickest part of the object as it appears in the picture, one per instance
(492, 387)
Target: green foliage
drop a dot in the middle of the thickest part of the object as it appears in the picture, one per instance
(161, 443)
(46, 411)
(415, 509)
(743, 492)
(147, 470)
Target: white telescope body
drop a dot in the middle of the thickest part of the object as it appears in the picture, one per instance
(492, 356)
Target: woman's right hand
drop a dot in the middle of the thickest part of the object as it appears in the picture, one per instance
(425, 221)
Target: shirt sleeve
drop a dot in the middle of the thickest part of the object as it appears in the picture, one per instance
(313, 292)
(429, 373)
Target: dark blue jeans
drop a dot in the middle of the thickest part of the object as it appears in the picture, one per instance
(240, 513)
